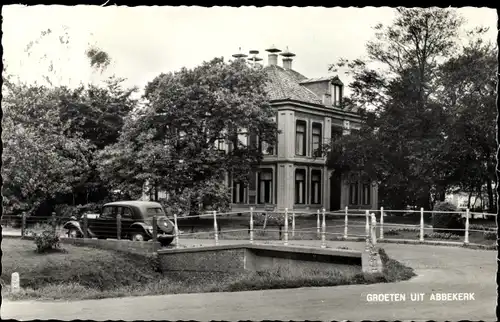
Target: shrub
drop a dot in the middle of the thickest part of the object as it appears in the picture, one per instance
(437, 235)
(273, 219)
(45, 238)
(490, 235)
(482, 227)
(447, 219)
(391, 232)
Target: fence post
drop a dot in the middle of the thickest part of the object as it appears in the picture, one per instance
(421, 224)
(467, 215)
(286, 227)
(15, 285)
(317, 225)
(176, 231)
(345, 223)
(216, 233)
(155, 229)
(381, 223)
(367, 230)
(374, 231)
(251, 225)
(293, 223)
(85, 226)
(323, 230)
(54, 222)
(23, 225)
(118, 226)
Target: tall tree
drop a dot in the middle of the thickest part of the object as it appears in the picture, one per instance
(39, 161)
(467, 88)
(402, 139)
(52, 131)
(173, 143)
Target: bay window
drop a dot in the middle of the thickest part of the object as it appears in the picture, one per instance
(265, 186)
(316, 139)
(239, 192)
(300, 186)
(315, 186)
(353, 193)
(300, 138)
(366, 195)
(336, 94)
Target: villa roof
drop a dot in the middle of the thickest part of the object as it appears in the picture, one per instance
(285, 84)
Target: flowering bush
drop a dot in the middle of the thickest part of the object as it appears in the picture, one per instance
(45, 238)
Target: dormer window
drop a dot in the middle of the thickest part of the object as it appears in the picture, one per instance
(336, 94)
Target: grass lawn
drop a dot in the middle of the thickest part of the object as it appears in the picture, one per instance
(87, 273)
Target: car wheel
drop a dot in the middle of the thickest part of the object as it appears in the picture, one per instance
(138, 236)
(73, 233)
(164, 242)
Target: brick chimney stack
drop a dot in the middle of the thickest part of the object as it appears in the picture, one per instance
(273, 56)
(287, 58)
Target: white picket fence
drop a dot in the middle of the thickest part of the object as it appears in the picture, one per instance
(321, 223)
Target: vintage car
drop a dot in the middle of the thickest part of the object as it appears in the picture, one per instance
(136, 222)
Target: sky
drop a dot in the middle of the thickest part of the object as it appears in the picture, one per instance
(146, 41)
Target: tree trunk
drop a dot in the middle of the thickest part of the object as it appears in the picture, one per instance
(491, 201)
(468, 200)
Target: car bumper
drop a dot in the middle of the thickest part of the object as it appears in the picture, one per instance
(165, 235)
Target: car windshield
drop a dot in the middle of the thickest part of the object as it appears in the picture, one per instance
(150, 212)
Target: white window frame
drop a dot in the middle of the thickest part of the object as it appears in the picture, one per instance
(304, 182)
(319, 191)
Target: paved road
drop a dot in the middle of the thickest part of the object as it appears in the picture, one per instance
(439, 269)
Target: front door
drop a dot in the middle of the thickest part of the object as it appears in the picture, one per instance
(335, 190)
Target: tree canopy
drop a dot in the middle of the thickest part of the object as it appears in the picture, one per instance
(428, 106)
(175, 142)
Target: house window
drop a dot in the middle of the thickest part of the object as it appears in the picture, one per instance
(266, 148)
(265, 191)
(239, 192)
(316, 186)
(366, 194)
(221, 146)
(337, 95)
(316, 139)
(353, 193)
(243, 137)
(300, 186)
(336, 133)
(347, 128)
(300, 138)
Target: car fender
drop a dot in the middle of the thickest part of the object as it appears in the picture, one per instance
(77, 225)
(73, 224)
(142, 226)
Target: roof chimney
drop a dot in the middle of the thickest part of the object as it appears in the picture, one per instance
(287, 59)
(239, 55)
(254, 59)
(273, 55)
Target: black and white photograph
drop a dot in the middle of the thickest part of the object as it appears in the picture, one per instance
(249, 163)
